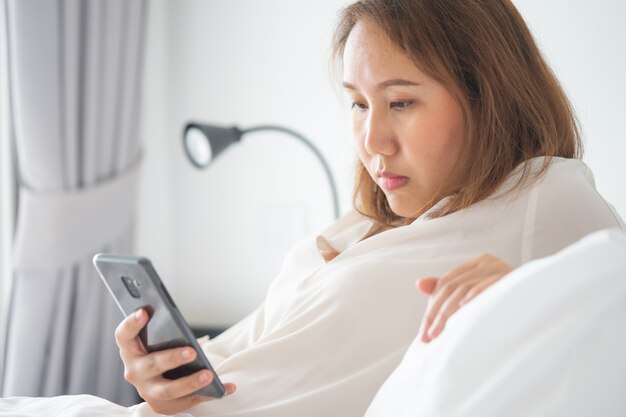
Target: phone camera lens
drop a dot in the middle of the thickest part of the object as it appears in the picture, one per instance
(130, 285)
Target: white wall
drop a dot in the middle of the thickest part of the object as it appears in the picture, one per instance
(155, 220)
(585, 42)
(218, 236)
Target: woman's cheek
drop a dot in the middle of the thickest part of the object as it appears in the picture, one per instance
(358, 136)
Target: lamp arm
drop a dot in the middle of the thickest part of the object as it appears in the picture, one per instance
(312, 147)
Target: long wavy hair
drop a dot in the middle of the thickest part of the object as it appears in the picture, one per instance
(482, 51)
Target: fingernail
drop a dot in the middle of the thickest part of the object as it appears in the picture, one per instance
(186, 354)
(138, 314)
(203, 377)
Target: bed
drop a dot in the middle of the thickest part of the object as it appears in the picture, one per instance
(549, 340)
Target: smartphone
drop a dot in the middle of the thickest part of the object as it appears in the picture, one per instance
(134, 283)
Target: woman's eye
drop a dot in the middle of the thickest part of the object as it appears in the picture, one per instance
(401, 104)
(358, 106)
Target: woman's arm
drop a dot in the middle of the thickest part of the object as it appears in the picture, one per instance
(563, 206)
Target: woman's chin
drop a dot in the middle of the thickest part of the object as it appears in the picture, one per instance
(402, 210)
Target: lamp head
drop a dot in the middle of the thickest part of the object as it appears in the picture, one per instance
(203, 143)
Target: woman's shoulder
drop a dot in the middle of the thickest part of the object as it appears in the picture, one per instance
(545, 172)
(564, 178)
(564, 204)
(565, 183)
(564, 171)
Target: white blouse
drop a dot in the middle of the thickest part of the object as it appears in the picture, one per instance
(330, 333)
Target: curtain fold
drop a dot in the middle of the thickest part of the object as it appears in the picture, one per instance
(76, 75)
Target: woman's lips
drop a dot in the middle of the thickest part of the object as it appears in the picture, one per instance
(390, 181)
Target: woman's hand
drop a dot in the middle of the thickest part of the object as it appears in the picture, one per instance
(456, 288)
(144, 370)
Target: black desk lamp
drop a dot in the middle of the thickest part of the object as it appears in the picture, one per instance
(203, 143)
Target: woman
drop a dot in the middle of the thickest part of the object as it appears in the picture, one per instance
(463, 137)
(465, 143)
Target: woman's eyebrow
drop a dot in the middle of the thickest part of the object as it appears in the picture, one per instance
(396, 81)
(384, 84)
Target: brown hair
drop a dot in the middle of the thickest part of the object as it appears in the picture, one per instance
(482, 51)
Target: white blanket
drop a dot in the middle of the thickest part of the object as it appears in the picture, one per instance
(547, 341)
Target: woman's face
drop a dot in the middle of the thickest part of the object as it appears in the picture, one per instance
(407, 127)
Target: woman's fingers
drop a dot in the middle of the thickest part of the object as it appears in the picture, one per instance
(172, 389)
(479, 288)
(438, 289)
(156, 364)
(448, 308)
(455, 289)
(127, 331)
(230, 388)
(442, 292)
(432, 310)
(444, 304)
(138, 362)
(427, 284)
(145, 370)
(458, 270)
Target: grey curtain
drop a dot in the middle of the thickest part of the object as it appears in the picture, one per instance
(76, 76)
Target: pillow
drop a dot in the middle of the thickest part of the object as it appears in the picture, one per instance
(549, 339)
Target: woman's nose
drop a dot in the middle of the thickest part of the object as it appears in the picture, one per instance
(379, 137)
